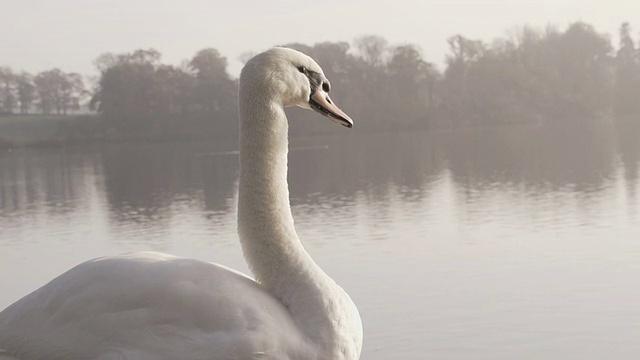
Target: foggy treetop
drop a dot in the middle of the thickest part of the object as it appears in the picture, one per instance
(534, 75)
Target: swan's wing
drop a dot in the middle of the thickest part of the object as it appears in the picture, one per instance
(150, 306)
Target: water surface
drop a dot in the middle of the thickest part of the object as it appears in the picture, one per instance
(517, 242)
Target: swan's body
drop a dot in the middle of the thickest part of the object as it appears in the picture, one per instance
(149, 305)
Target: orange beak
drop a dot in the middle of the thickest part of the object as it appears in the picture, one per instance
(321, 103)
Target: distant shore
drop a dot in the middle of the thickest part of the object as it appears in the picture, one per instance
(44, 131)
(49, 130)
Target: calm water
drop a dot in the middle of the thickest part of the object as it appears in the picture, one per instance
(509, 243)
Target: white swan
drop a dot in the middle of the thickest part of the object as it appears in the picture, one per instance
(149, 305)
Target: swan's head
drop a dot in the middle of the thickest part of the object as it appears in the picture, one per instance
(290, 78)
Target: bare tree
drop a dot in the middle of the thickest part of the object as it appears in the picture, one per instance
(371, 48)
(58, 91)
(7, 90)
(627, 85)
(212, 80)
(71, 90)
(26, 91)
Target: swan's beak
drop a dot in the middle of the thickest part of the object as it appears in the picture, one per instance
(321, 102)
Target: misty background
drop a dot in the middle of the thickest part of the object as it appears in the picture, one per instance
(484, 206)
(532, 76)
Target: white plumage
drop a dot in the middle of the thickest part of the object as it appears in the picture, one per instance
(156, 306)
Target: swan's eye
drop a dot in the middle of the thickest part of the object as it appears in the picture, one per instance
(302, 69)
(325, 86)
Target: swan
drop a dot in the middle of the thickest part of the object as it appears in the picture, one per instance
(150, 305)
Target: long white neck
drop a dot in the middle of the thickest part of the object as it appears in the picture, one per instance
(265, 223)
(269, 241)
(279, 262)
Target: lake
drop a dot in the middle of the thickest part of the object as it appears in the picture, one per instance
(515, 242)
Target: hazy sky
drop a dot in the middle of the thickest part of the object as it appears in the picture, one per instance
(70, 34)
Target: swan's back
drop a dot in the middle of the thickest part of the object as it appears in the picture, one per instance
(146, 304)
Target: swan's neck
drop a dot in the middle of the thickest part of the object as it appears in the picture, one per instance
(269, 240)
(320, 308)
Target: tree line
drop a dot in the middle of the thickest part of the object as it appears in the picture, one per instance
(49, 92)
(531, 75)
(141, 97)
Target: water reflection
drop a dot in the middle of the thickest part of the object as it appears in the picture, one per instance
(148, 178)
(30, 178)
(369, 163)
(581, 157)
(512, 168)
(628, 139)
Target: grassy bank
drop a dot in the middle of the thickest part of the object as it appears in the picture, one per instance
(46, 130)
